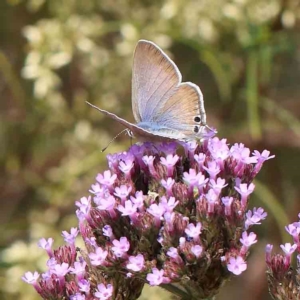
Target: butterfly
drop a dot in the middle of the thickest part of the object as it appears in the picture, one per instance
(164, 108)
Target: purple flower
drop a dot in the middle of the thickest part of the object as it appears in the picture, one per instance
(169, 219)
(149, 161)
(157, 277)
(46, 276)
(97, 189)
(288, 249)
(265, 155)
(197, 250)
(254, 218)
(84, 286)
(123, 192)
(170, 161)
(242, 154)
(200, 159)
(31, 278)
(219, 150)
(51, 262)
(245, 190)
(212, 169)
(174, 256)
(47, 245)
(193, 231)
(61, 269)
(190, 148)
(98, 257)
(236, 265)
(192, 179)
(173, 252)
(294, 230)
(261, 158)
(77, 296)
(136, 263)
(138, 200)
(84, 207)
(227, 201)
(70, 237)
(129, 209)
(78, 269)
(104, 292)
(113, 160)
(268, 251)
(211, 198)
(157, 210)
(247, 241)
(201, 184)
(217, 185)
(91, 241)
(105, 203)
(120, 246)
(170, 204)
(168, 148)
(107, 179)
(168, 184)
(107, 231)
(126, 166)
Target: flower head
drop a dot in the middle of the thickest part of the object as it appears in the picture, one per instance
(159, 217)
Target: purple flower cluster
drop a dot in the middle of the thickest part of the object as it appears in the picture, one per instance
(283, 279)
(162, 214)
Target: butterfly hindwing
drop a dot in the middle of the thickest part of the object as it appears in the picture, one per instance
(184, 110)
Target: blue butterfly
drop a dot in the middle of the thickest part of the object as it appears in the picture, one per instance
(164, 108)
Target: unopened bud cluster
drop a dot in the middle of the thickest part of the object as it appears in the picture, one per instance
(283, 278)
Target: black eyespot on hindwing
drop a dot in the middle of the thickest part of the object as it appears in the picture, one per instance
(197, 119)
(196, 129)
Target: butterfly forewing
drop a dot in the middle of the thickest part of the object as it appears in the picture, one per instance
(154, 80)
(144, 135)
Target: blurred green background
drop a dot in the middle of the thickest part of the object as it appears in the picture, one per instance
(55, 55)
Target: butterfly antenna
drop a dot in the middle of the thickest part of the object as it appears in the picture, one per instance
(126, 129)
(92, 105)
(129, 132)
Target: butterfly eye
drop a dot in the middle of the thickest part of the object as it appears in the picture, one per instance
(196, 129)
(197, 119)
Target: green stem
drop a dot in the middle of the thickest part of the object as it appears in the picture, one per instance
(176, 291)
(183, 295)
(252, 95)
